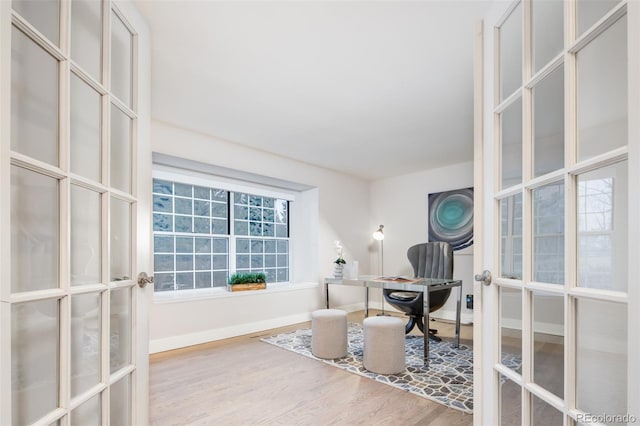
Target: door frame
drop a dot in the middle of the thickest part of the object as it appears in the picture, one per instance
(486, 388)
(140, 216)
(479, 389)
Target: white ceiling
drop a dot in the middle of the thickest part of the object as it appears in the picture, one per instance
(370, 88)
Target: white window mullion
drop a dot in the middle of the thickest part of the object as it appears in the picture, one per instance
(527, 213)
(64, 235)
(104, 352)
(231, 249)
(571, 199)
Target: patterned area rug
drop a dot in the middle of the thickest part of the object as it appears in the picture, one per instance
(447, 380)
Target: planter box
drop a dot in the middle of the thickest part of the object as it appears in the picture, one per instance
(248, 286)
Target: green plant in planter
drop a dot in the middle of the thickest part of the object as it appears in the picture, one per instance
(247, 278)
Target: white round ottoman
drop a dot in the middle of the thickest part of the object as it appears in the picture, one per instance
(329, 333)
(384, 351)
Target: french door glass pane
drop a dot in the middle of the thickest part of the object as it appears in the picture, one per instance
(547, 23)
(601, 351)
(42, 14)
(510, 402)
(511, 328)
(120, 238)
(120, 340)
(602, 228)
(543, 413)
(511, 53)
(86, 232)
(120, 409)
(121, 60)
(120, 150)
(602, 92)
(590, 11)
(86, 36)
(85, 129)
(85, 342)
(548, 341)
(34, 231)
(34, 99)
(88, 414)
(511, 237)
(511, 144)
(548, 233)
(35, 327)
(548, 123)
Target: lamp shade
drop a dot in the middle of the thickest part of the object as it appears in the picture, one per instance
(379, 234)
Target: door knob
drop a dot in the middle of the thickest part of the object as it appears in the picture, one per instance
(484, 278)
(144, 279)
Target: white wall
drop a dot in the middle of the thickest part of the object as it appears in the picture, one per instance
(342, 214)
(348, 209)
(400, 204)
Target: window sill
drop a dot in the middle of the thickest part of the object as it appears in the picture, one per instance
(221, 293)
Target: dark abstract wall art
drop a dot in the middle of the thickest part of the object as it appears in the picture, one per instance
(451, 217)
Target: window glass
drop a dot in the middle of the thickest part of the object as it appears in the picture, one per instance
(195, 247)
(511, 328)
(511, 237)
(34, 230)
(85, 129)
(510, 402)
(548, 233)
(86, 36)
(547, 17)
(265, 217)
(42, 14)
(548, 341)
(35, 384)
(86, 345)
(34, 99)
(511, 53)
(543, 413)
(548, 123)
(511, 144)
(601, 339)
(602, 92)
(86, 236)
(121, 226)
(602, 228)
(590, 11)
(121, 60)
(121, 145)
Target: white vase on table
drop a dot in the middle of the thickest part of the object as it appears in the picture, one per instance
(338, 271)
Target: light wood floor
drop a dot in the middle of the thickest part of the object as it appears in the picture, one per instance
(242, 381)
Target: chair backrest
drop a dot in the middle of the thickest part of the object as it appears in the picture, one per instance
(431, 260)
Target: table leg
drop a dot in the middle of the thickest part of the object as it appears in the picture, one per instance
(459, 304)
(326, 288)
(425, 318)
(366, 302)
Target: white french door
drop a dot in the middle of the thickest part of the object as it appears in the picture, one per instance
(558, 153)
(75, 179)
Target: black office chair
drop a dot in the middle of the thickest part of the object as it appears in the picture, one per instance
(429, 260)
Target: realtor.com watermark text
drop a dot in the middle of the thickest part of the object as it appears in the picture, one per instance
(607, 418)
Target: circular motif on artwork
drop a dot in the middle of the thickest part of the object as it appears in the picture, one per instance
(451, 217)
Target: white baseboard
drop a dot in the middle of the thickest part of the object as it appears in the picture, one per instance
(451, 316)
(182, 341)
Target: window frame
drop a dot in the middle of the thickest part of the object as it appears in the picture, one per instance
(232, 186)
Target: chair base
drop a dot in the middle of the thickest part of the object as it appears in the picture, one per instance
(417, 320)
